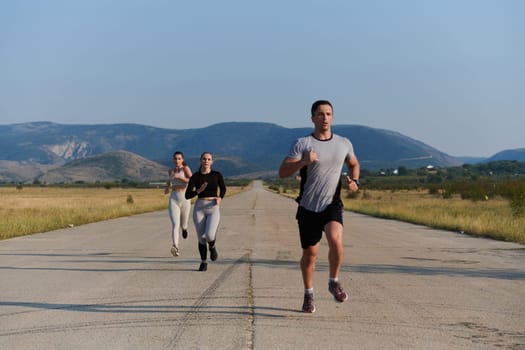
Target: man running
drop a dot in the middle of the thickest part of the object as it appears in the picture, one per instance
(319, 157)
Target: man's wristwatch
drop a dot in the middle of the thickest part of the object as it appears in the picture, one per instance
(356, 181)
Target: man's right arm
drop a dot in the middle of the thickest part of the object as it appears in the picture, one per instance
(290, 166)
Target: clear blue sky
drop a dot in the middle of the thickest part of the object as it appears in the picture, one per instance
(450, 73)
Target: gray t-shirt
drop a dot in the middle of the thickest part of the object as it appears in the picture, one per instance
(320, 180)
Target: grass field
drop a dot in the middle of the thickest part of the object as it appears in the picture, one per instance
(492, 218)
(40, 209)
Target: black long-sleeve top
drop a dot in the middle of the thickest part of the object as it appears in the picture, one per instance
(215, 182)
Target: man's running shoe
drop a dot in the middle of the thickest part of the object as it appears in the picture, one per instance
(174, 250)
(308, 304)
(337, 291)
(203, 266)
(184, 234)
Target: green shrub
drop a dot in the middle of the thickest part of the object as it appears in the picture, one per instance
(433, 190)
(366, 195)
(515, 192)
(446, 194)
(352, 195)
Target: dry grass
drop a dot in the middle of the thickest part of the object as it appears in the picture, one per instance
(40, 209)
(492, 218)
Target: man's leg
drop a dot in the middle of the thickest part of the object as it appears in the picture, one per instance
(307, 269)
(334, 236)
(308, 265)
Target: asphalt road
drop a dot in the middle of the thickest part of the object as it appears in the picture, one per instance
(115, 285)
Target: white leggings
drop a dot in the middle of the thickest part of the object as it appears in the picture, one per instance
(206, 217)
(179, 210)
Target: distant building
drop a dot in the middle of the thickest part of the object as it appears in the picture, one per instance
(157, 184)
(431, 169)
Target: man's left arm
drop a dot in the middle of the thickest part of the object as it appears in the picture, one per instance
(354, 171)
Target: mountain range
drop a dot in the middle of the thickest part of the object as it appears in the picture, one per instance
(53, 153)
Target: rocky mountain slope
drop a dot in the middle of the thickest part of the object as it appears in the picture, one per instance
(106, 167)
(41, 149)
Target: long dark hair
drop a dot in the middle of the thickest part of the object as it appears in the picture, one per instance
(182, 155)
(202, 155)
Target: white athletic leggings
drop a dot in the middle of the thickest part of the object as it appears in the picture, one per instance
(206, 217)
(179, 209)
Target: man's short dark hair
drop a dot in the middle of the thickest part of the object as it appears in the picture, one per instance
(318, 103)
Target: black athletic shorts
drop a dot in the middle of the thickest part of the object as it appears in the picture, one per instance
(311, 224)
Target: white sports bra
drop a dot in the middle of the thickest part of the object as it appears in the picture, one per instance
(174, 180)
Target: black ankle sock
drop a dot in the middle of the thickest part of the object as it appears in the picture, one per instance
(203, 251)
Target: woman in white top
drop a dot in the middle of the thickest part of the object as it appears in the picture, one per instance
(179, 206)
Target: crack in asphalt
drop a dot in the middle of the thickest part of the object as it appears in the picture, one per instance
(202, 301)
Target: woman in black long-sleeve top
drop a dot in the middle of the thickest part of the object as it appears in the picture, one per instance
(208, 186)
